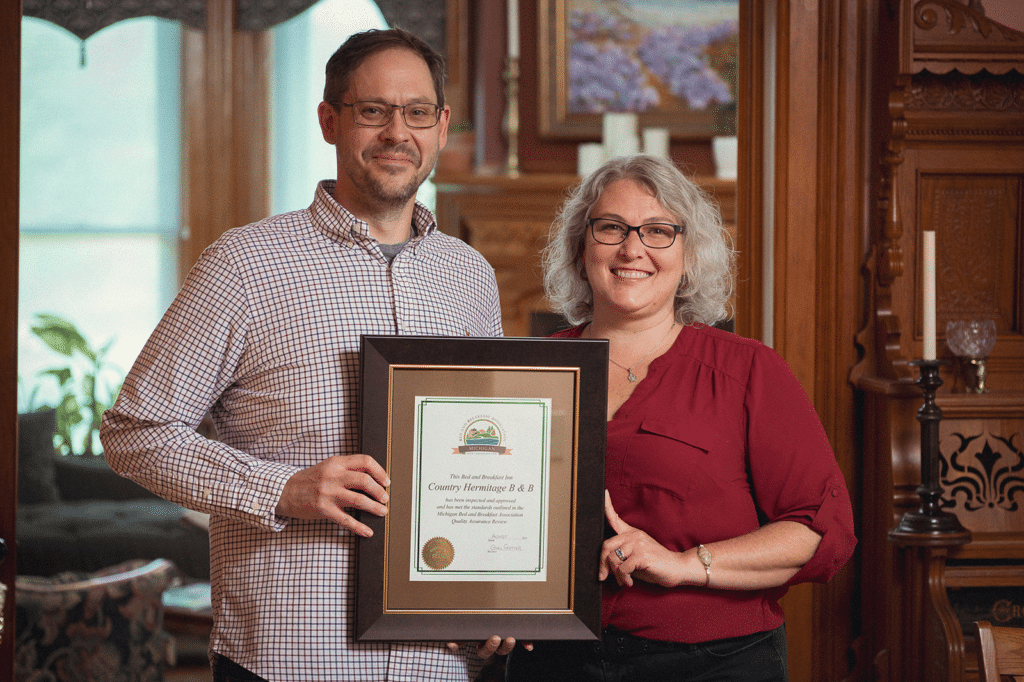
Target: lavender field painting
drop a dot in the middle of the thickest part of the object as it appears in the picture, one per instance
(669, 59)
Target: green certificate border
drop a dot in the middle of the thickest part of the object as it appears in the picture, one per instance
(419, 564)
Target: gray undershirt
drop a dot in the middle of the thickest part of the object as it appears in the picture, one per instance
(392, 250)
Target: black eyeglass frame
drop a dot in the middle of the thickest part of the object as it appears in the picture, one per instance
(391, 112)
(676, 229)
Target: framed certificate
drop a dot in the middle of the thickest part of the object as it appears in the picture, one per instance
(495, 449)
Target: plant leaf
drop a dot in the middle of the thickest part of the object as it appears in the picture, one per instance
(61, 374)
(62, 336)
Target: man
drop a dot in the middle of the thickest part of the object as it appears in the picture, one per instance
(265, 336)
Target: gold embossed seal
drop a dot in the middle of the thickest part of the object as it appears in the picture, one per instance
(438, 553)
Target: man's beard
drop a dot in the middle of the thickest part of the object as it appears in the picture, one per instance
(376, 185)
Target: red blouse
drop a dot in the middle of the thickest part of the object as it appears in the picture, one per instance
(717, 435)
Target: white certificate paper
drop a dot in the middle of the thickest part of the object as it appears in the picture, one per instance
(480, 489)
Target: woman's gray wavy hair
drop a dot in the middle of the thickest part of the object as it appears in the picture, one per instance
(704, 294)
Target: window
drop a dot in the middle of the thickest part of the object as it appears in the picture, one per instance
(101, 172)
(100, 188)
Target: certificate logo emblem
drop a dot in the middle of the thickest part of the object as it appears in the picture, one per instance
(483, 436)
(438, 553)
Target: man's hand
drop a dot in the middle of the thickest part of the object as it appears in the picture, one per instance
(325, 490)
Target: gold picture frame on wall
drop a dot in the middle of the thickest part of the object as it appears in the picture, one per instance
(673, 64)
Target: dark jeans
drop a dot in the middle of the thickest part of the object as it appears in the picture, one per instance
(226, 670)
(620, 657)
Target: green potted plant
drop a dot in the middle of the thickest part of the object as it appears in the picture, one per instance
(84, 384)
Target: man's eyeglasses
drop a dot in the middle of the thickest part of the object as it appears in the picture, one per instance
(378, 114)
(654, 235)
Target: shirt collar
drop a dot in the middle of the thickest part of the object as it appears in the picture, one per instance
(337, 222)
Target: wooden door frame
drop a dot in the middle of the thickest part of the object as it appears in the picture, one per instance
(807, 177)
(10, 117)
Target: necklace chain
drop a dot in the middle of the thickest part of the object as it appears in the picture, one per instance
(629, 370)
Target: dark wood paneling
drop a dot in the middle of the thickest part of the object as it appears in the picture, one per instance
(10, 115)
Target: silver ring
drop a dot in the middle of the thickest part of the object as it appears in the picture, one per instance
(618, 553)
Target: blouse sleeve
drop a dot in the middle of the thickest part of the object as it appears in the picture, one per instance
(793, 469)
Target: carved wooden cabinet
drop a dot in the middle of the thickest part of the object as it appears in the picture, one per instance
(507, 220)
(955, 166)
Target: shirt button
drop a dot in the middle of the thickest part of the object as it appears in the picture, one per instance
(835, 493)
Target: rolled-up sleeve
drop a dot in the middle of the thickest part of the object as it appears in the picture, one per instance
(793, 469)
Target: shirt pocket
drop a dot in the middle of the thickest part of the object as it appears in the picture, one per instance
(669, 456)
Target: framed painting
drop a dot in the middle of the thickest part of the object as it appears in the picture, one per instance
(495, 450)
(671, 62)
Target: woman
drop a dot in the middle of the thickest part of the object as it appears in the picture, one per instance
(722, 489)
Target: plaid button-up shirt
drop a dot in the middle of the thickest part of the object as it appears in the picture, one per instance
(265, 335)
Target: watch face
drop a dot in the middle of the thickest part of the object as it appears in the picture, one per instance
(704, 554)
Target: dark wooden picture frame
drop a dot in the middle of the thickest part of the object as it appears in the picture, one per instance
(664, 94)
(566, 604)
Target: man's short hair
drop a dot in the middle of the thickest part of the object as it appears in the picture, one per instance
(361, 45)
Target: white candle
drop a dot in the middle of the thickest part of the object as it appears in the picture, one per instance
(513, 28)
(619, 134)
(656, 142)
(928, 289)
(589, 157)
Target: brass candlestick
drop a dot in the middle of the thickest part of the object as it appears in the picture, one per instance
(511, 123)
(929, 524)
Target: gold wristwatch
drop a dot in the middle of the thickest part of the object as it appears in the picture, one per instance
(704, 554)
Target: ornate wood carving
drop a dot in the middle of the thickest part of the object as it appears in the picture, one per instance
(890, 265)
(980, 211)
(981, 475)
(888, 255)
(966, 93)
(942, 35)
(953, 166)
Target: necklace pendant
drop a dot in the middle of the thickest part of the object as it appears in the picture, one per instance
(631, 377)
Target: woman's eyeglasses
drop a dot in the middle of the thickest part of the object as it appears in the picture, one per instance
(654, 235)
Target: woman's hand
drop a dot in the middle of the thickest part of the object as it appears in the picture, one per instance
(633, 553)
(761, 559)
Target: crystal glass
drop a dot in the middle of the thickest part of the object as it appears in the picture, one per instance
(971, 341)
